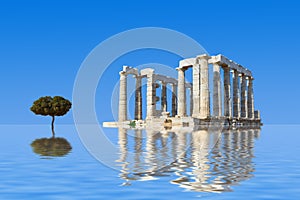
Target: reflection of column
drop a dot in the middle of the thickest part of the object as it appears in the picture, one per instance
(250, 98)
(243, 97)
(138, 149)
(236, 95)
(123, 153)
(200, 152)
(174, 99)
(151, 151)
(204, 87)
(164, 97)
(256, 133)
(150, 96)
(181, 92)
(181, 147)
(138, 98)
(216, 156)
(227, 98)
(123, 97)
(123, 144)
(196, 90)
(217, 109)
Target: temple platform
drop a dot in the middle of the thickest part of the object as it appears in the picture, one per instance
(190, 123)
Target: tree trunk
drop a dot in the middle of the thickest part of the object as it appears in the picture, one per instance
(52, 126)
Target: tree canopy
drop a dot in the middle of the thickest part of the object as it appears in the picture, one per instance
(56, 106)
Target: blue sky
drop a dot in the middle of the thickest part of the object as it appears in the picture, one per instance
(43, 44)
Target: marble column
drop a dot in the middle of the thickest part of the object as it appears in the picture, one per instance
(204, 87)
(250, 98)
(164, 97)
(123, 97)
(191, 101)
(151, 92)
(236, 95)
(181, 93)
(174, 99)
(138, 98)
(244, 113)
(227, 93)
(217, 106)
(196, 91)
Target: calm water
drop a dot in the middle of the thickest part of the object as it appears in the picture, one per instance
(248, 164)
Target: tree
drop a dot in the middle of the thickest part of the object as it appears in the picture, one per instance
(48, 106)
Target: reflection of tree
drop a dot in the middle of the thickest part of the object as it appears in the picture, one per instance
(51, 146)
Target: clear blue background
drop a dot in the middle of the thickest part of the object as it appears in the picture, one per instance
(42, 44)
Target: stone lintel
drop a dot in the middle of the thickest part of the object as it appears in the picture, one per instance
(147, 71)
(130, 70)
(189, 62)
(203, 56)
(225, 62)
(166, 79)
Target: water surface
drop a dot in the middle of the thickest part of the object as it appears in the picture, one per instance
(249, 164)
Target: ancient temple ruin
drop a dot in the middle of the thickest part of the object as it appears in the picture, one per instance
(232, 96)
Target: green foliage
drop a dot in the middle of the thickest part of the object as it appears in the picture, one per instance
(56, 106)
(132, 124)
(51, 146)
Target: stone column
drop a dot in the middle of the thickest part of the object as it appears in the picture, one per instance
(227, 95)
(163, 97)
(204, 87)
(123, 97)
(181, 93)
(244, 113)
(151, 91)
(236, 95)
(217, 109)
(191, 101)
(196, 91)
(250, 98)
(174, 100)
(138, 98)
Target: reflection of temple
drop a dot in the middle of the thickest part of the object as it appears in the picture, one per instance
(203, 160)
(230, 94)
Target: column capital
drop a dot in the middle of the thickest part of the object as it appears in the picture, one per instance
(216, 64)
(241, 75)
(225, 67)
(203, 56)
(137, 76)
(250, 78)
(122, 73)
(181, 69)
(163, 82)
